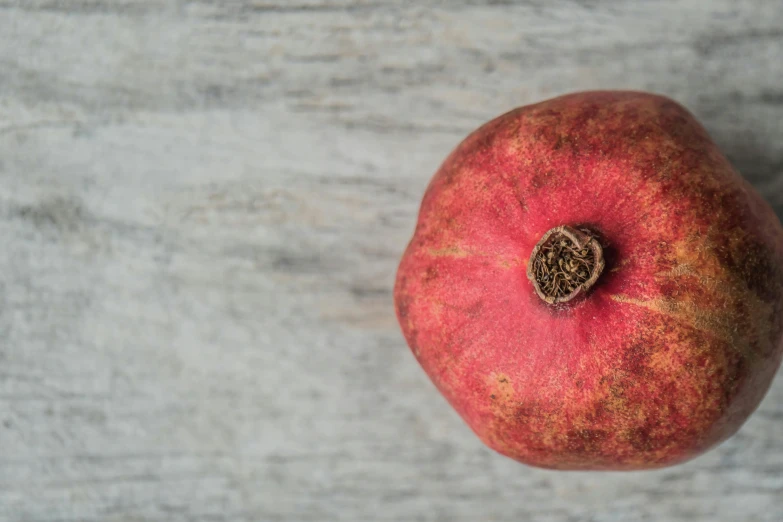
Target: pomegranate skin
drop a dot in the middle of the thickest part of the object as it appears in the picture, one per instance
(679, 339)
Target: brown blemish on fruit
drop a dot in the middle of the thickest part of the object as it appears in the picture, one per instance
(514, 263)
(452, 251)
(679, 270)
(403, 310)
(585, 442)
(636, 360)
(505, 405)
(543, 179)
(753, 263)
(717, 324)
(403, 305)
(702, 268)
(502, 406)
(641, 439)
(474, 310)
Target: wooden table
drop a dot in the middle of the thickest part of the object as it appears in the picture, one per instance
(202, 206)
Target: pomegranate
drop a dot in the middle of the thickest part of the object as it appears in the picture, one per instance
(592, 286)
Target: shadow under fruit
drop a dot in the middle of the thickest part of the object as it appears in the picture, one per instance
(677, 337)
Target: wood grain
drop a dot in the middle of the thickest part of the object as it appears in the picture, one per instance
(202, 205)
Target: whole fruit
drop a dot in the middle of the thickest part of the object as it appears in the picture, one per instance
(592, 286)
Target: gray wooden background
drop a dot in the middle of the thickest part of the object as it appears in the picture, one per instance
(202, 204)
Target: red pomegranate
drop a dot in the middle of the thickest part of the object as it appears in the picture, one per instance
(592, 286)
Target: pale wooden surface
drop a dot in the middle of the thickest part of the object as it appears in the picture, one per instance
(202, 204)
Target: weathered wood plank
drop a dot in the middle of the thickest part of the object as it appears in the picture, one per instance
(203, 203)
